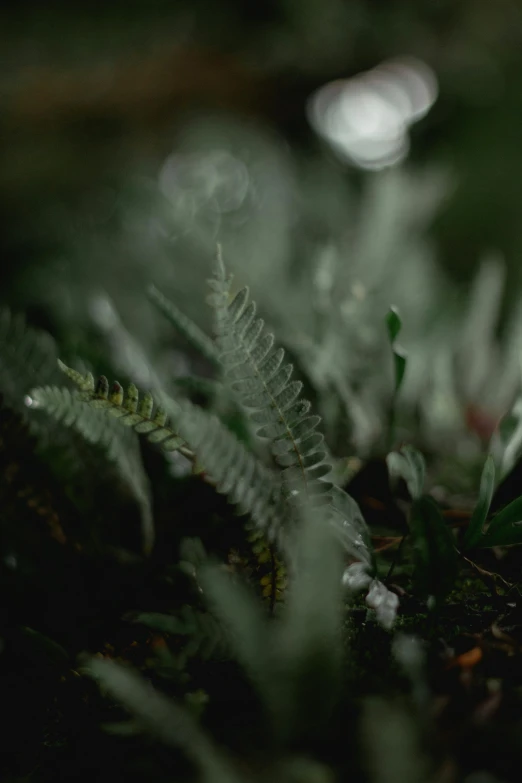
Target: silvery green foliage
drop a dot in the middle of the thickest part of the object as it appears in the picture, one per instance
(331, 317)
(325, 287)
(383, 601)
(235, 472)
(261, 380)
(359, 275)
(408, 464)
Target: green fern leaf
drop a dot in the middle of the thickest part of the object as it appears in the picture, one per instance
(234, 470)
(127, 408)
(121, 445)
(261, 381)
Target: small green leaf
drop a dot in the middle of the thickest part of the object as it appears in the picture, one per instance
(506, 526)
(480, 512)
(394, 326)
(435, 555)
(399, 360)
(409, 464)
(394, 323)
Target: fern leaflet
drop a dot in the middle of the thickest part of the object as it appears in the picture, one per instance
(127, 408)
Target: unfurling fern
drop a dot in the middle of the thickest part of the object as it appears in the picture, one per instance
(262, 382)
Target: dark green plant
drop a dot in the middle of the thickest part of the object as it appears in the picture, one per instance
(256, 373)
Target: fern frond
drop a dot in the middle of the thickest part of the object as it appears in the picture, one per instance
(191, 331)
(261, 380)
(127, 408)
(121, 445)
(234, 470)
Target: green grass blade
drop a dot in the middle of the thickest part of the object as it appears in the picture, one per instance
(475, 530)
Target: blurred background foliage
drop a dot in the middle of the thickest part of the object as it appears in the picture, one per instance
(96, 97)
(348, 156)
(136, 136)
